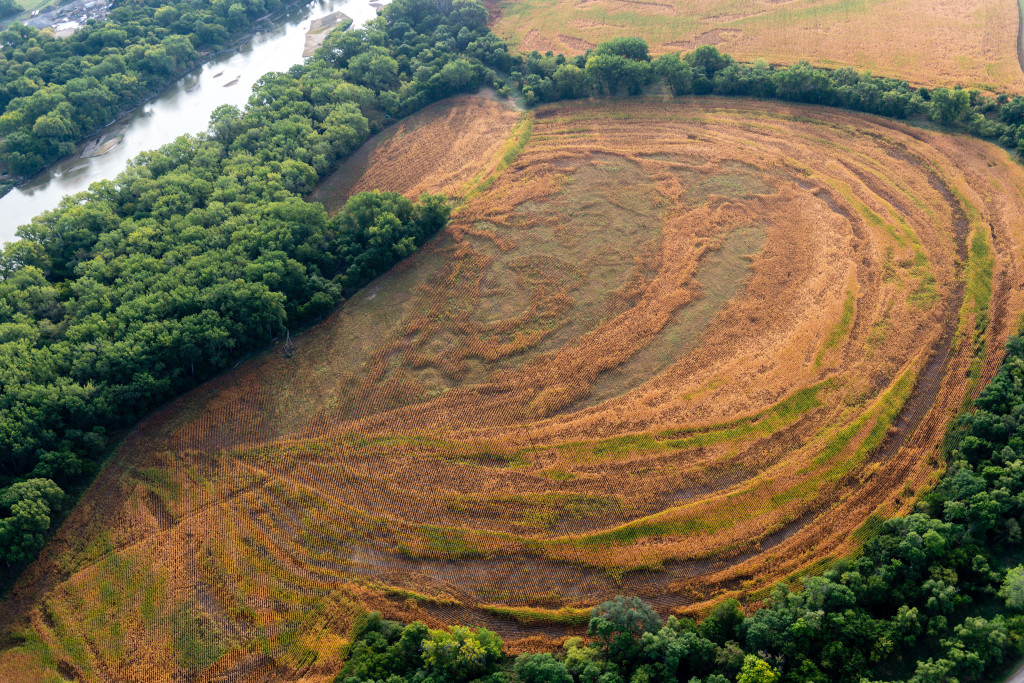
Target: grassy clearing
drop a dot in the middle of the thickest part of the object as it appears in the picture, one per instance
(32, 5)
(735, 507)
(866, 531)
(530, 511)
(33, 657)
(448, 542)
(472, 453)
(124, 602)
(722, 275)
(557, 474)
(724, 512)
(586, 253)
(159, 481)
(438, 150)
(978, 273)
(915, 269)
(882, 413)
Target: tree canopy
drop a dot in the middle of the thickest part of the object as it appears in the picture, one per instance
(54, 92)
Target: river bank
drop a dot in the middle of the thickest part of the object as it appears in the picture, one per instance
(182, 107)
(121, 116)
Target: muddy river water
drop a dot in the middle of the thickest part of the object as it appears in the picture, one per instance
(183, 107)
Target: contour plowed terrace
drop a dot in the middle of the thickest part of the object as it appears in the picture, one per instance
(675, 350)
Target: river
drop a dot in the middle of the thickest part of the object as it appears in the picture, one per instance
(183, 107)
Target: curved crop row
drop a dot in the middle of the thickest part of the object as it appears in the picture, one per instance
(682, 363)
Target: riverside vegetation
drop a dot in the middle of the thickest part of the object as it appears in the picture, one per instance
(55, 92)
(204, 251)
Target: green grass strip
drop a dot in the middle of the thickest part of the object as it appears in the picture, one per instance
(520, 136)
(885, 411)
(394, 591)
(533, 615)
(768, 421)
(841, 329)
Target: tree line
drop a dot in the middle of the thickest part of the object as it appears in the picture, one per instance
(935, 597)
(204, 250)
(55, 92)
(624, 66)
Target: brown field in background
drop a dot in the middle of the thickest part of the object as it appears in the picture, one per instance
(951, 42)
(676, 350)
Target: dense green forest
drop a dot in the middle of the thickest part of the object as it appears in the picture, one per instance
(205, 250)
(54, 92)
(931, 599)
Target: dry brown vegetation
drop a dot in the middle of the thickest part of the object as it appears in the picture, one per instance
(966, 42)
(440, 149)
(678, 350)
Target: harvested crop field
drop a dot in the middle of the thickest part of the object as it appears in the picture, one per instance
(964, 42)
(683, 365)
(441, 149)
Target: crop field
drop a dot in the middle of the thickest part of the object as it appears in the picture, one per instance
(967, 42)
(405, 158)
(683, 364)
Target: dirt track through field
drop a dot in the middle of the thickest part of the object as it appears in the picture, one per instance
(682, 365)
